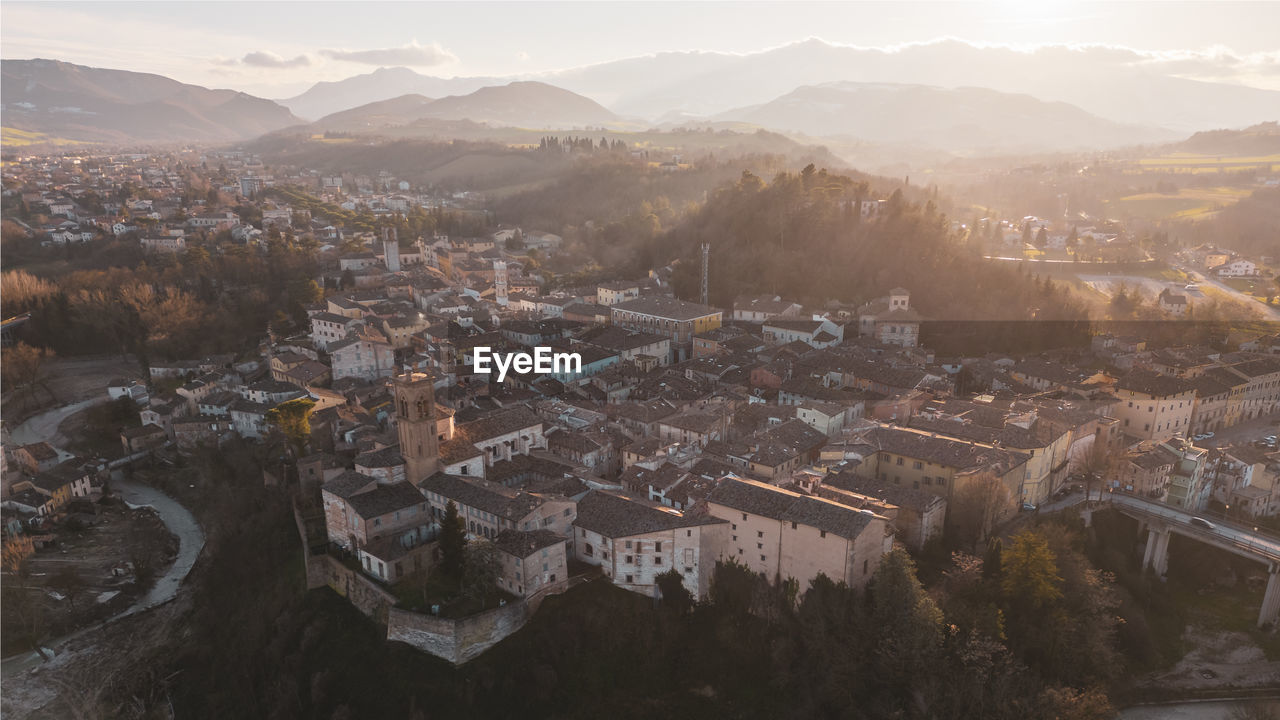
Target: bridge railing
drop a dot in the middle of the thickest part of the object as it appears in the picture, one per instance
(1231, 521)
(1255, 546)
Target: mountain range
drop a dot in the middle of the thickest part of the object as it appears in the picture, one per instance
(73, 102)
(962, 120)
(948, 96)
(1108, 82)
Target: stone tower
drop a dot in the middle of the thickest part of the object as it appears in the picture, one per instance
(416, 423)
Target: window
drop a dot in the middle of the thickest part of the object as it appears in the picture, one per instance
(744, 517)
(657, 547)
(759, 546)
(567, 511)
(688, 533)
(917, 465)
(630, 579)
(657, 559)
(762, 559)
(899, 461)
(793, 525)
(942, 481)
(759, 533)
(628, 544)
(630, 559)
(584, 532)
(735, 538)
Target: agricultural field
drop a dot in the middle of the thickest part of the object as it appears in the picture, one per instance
(13, 137)
(1186, 204)
(1195, 163)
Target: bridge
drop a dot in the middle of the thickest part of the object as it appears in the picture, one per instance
(1162, 520)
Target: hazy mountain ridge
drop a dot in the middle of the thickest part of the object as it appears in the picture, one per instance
(329, 97)
(959, 120)
(1260, 139)
(519, 104)
(87, 104)
(1099, 81)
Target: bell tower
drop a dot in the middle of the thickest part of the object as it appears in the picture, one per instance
(416, 424)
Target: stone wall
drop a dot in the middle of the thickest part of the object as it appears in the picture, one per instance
(360, 590)
(457, 640)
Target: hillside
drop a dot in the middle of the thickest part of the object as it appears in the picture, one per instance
(518, 104)
(328, 97)
(522, 104)
(396, 111)
(963, 120)
(1260, 139)
(70, 102)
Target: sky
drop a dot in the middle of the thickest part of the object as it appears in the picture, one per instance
(278, 49)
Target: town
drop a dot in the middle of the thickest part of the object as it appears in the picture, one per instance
(791, 440)
(639, 360)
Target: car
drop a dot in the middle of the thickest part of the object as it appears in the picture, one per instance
(1200, 437)
(1192, 286)
(1208, 435)
(1202, 523)
(1028, 507)
(1269, 439)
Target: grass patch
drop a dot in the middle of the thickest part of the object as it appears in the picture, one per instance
(1195, 163)
(419, 594)
(14, 137)
(1187, 203)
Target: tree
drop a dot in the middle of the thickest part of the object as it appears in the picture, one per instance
(480, 570)
(1042, 238)
(907, 627)
(24, 368)
(976, 506)
(68, 581)
(453, 542)
(293, 418)
(1030, 572)
(675, 596)
(1092, 467)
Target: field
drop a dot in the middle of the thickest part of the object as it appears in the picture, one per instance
(1194, 163)
(13, 137)
(1187, 203)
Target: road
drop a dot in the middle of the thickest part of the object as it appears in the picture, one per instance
(45, 425)
(1244, 432)
(1229, 533)
(1267, 311)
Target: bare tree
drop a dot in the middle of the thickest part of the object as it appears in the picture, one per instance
(1095, 464)
(977, 505)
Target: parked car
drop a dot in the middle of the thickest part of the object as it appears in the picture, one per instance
(1201, 437)
(1208, 435)
(1202, 523)
(1028, 507)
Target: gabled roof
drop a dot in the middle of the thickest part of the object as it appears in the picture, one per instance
(787, 506)
(616, 516)
(384, 499)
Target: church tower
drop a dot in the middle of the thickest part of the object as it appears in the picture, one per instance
(416, 423)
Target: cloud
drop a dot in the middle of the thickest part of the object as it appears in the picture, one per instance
(411, 55)
(264, 59)
(268, 59)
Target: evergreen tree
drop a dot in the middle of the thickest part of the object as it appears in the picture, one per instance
(453, 542)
